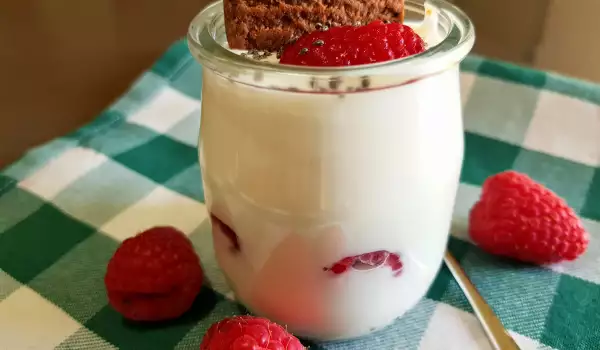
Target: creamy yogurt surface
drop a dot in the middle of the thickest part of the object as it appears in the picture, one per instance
(297, 182)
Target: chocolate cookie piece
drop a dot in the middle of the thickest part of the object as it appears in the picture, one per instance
(270, 24)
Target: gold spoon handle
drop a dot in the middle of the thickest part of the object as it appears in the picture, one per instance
(498, 336)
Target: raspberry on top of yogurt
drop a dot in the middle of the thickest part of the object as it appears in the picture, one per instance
(353, 45)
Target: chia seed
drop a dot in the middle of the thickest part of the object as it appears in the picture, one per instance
(256, 55)
(290, 41)
(260, 55)
(365, 82)
(280, 51)
(334, 83)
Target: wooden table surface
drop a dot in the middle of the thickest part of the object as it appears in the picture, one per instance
(63, 61)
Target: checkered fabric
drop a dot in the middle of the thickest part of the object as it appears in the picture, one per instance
(65, 207)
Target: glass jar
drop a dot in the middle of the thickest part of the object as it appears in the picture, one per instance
(331, 190)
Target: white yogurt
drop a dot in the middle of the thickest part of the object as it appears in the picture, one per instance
(306, 179)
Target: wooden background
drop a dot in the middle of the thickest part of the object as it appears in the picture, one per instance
(63, 61)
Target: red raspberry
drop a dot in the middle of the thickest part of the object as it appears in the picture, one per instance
(374, 258)
(368, 261)
(220, 226)
(342, 265)
(154, 276)
(350, 45)
(248, 332)
(521, 219)
(395, 264)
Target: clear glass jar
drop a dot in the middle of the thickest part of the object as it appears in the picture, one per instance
(331, 189)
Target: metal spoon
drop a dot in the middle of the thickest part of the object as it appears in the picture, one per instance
(495, 331)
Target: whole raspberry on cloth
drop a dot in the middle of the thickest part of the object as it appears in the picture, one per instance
(519, 218)
(154, 276)
(248, 333)
(353, 45)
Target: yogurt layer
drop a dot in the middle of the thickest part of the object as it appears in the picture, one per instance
(299, 181)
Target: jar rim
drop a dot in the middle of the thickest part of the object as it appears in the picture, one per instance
(454, 47)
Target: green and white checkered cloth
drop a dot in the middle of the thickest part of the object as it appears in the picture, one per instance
(65, 207)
